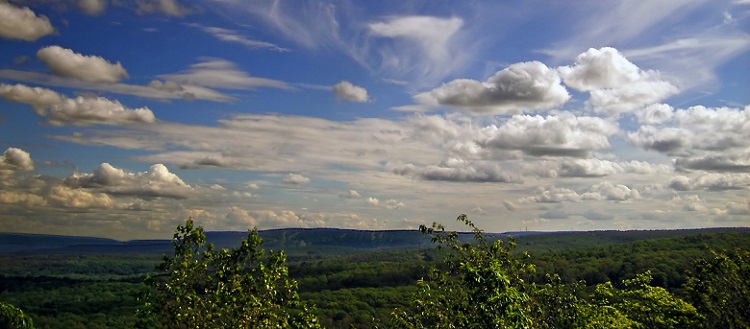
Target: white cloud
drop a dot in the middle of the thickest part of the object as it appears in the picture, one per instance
(65, 62)
(459, 170)
(654, 114)
(388, 204)
(166, 7)
(79, 198)
(217, 187)
(615, 84)
(312, 25)
(155, 89)
(22, 23)
(521, 87)
(393, 204)
(399, 45)
(609, 191)
(591, 167)
(693, 61)
(710, 181)
(223, 74)
(563, 135)
(26, 199)
(92, 7)
(603, 191)
(552, 194)
(233, 36)
(684, 135)
(426, 46)
(603, 68)
(156, 182)
(295, 179)
(13, 160)
(347, 91)
(60, 110)
(613, 23)
(352, 194)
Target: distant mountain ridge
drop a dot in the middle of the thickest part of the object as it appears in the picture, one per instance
(303, 241)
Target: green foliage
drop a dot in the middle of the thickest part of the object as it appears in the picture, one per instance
(558, 305)
(12, 317)
(649, 307)
(238, 288)
(485, 286)
(720, 288)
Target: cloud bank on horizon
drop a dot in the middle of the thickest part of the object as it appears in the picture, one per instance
(121, 119)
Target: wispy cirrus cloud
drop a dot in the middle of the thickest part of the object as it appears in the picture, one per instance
(422, 49)
(233, 36)
(221, 74)
(202, 80)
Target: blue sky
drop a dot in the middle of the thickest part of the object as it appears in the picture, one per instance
(122, 118)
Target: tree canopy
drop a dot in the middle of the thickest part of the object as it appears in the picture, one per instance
(201, 287)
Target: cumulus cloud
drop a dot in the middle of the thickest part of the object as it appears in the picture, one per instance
(219, 73)
(22, 23)
(65, 62)
(683, 135)
(734, 208)
(239, 218)
(563, 135)
(156, 182)
(295, 179)
(13, 160)
(26, 199)
(79, 198)
(345, 90)
(614, 83)
(654, 114)
(710, 182)
(352, 194)
(166, 7)
(393, 204)
(388, 204)
(603, 191)
(610, 191)
(590, 167)
(60, 110)
(551, 194)
(92, 7)
(520, 87)
(459, 170)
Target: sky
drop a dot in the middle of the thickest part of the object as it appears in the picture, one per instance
(122, 118)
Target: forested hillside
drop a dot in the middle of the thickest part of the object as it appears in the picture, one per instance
(352, 277)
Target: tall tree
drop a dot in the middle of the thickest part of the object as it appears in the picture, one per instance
(720, 289)
(484, 285)
(201, 287)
